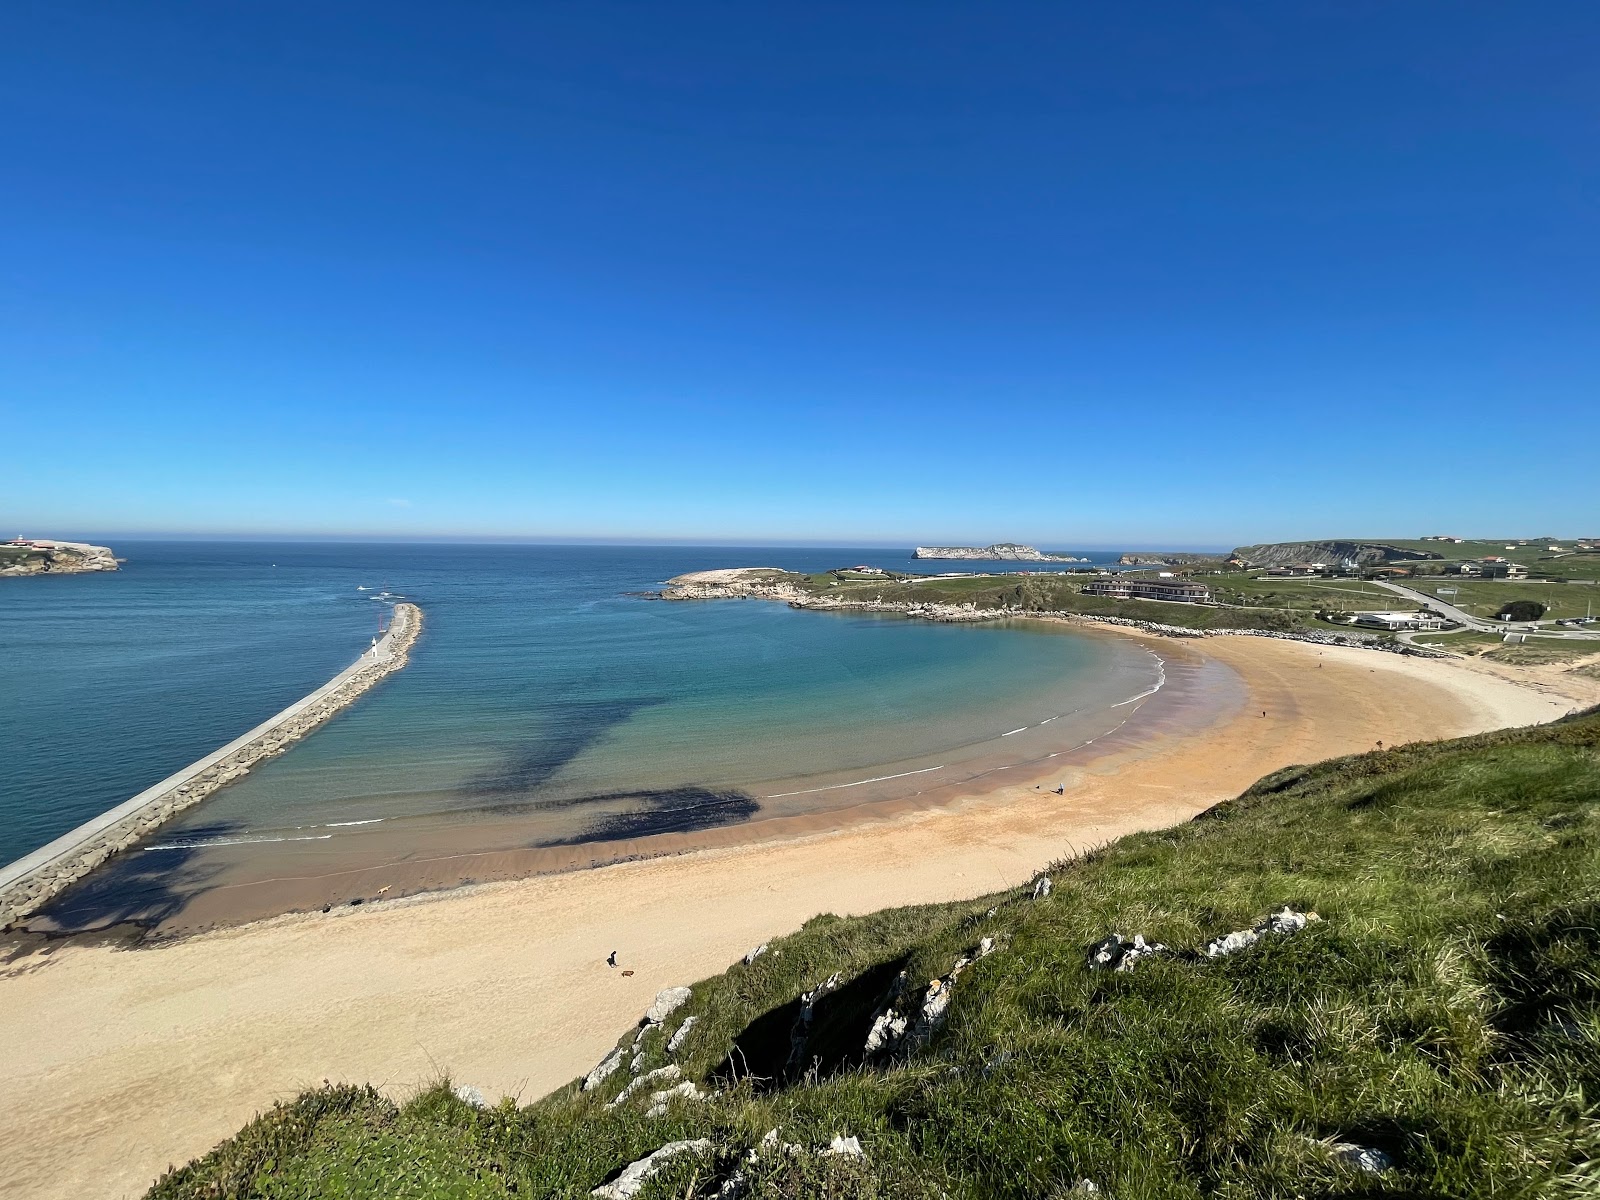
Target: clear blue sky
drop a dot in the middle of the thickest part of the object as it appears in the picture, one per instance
(1071, 273)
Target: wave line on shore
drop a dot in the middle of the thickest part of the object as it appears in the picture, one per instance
(833, 787)
(246, 841)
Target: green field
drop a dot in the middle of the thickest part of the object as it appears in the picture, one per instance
(1048, 591)
(1533, 652)
(1341, 594)
(1444, 1012)
(1484, 599)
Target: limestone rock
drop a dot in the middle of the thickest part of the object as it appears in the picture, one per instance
(604, 1070)
(660, 1101)
(1363, 1158)
(636, 1174)
(668, 1001)
(660, 1075)
(681, 1035)
(1283, 923)
(1117, 953)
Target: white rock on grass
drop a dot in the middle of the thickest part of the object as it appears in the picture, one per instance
(468, 1094)
(1363, 1158)
(1117, 953)
(659, 1075)
(848, 1147)
(662, 1100)
(668, 1001)
(636, 1174)
(888, 1027)
(604, 1070)
(681, 1034)
(1286, 922)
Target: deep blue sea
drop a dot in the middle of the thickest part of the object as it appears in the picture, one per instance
(543, 692)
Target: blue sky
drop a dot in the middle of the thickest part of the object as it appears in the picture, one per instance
(1070, 273)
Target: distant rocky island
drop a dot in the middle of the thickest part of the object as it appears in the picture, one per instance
(44, 556)
(1005, 551)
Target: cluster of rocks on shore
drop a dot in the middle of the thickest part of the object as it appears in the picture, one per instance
(29, 893)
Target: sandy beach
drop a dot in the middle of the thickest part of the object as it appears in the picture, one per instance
(122, 1061)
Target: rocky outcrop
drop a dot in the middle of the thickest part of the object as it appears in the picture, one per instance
(630, 1182)
(28, 883)
(1165, 558)
(1001, 551)
(1362, 554)
(43, 556)
(1286, 922)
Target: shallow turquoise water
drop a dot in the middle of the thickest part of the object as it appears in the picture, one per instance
(541, 687)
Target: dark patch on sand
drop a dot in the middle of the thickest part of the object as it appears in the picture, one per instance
(669, 810)
(134, 887)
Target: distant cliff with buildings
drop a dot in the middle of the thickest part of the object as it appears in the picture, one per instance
(45, 556)
(1361, 554)
(1001, 551)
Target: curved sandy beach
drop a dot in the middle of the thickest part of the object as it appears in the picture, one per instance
(120, 1062)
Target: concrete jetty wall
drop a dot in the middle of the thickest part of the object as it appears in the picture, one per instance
(33, 879)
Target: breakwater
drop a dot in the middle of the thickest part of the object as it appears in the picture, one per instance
(30, 881)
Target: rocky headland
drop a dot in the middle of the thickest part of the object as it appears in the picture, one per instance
(1362, 554)
(44, 556)
(771, 583)
(27, 884)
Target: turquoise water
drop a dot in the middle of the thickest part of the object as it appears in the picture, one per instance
(542, 697)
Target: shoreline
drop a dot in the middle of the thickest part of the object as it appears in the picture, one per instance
(748, 583)
(504, 984)
(32, 881)
(391, 862)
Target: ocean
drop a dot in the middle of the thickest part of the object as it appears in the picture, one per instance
(548, 707)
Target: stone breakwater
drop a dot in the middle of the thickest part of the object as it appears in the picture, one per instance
(32, 880)
(761, 584)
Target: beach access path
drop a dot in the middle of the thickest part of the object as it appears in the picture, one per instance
(31, 880)
(120, 1062)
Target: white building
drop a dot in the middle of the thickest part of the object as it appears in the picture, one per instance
(1396, 621)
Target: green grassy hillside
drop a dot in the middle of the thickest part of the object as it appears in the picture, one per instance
(1055, 592)
(1435, 1033)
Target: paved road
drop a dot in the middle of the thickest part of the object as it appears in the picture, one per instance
(1461, 616)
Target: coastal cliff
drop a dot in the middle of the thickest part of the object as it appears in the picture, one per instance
(43, 556)
(1000, 551)
(1276, 554)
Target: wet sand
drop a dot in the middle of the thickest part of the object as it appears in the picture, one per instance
(122, 1061)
